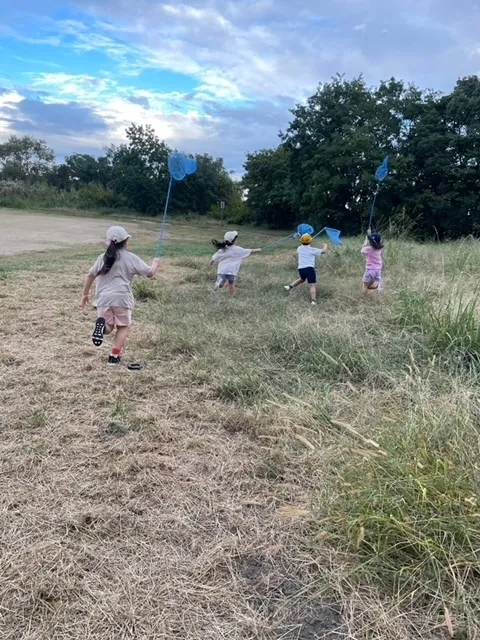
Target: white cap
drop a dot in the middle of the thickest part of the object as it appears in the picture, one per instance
(230, 236)
(117, 234)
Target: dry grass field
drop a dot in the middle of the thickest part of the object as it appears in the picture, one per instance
(275, 472)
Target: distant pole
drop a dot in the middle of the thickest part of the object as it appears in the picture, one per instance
(222, 207)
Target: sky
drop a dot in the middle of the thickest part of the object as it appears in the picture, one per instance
(211, 76)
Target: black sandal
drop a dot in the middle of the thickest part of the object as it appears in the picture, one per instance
(97, 335)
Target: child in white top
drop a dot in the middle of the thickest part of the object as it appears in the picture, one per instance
(229, 258)
(114, 271)
(307, 256)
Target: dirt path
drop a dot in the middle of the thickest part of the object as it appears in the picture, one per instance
(23, 232)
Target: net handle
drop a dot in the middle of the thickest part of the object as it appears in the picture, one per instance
(164, 220)
(273, 244)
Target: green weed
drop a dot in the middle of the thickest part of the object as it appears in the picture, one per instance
(144, 291)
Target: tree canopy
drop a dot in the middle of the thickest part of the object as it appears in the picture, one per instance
(323, 168)
(133, 175)
(25, 158)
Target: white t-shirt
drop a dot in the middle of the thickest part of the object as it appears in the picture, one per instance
(230, 259)
(114, 289)
(307, 256)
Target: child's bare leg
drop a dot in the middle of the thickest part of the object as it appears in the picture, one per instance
(119, 341)
(296, 283)
(108, 329)
(370, 288)
(232, 288)
(313, 292)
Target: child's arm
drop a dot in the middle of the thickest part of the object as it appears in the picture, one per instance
(86, 290)
(154, 268)
(255, 250)
(324, 248)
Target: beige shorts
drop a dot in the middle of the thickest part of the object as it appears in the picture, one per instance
(115, 316)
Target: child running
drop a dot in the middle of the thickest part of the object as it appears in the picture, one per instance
(372, 250)
(114, 271)
(229, 258)
(307, 256)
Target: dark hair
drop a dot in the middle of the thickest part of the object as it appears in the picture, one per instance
(111, 256)
(375, 240)
(222, 245)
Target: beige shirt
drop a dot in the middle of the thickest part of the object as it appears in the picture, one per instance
(115, 288)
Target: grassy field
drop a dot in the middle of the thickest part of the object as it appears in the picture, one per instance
(274, 472)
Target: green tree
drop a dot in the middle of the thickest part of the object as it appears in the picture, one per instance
(336, 141)
(86, 169)
(60, 177)
(209, 185)
(323, 169)
(270, 191)
(139, 169)
(25, 158)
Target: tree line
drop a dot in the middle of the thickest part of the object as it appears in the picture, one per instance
(322, 171)
(133, 175)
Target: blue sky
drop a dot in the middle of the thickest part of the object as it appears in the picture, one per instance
(214, 76)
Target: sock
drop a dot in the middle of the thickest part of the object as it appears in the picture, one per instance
(115, 352)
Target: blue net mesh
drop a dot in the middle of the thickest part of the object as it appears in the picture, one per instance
(333, 236)
(305, 228)
(382, 172)
(181, 166)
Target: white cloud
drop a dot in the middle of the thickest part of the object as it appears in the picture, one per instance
(249, 59)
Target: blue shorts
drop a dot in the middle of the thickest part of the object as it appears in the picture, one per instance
(308, 274)
(223, 278)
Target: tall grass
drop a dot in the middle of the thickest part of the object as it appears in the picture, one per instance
(448, 322)
(410, 515)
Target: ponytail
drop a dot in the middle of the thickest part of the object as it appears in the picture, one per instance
(111, 256)
(221, 245)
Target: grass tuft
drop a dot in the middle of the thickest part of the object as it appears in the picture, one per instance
(144, 291)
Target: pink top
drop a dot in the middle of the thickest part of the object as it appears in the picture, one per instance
(374, 257)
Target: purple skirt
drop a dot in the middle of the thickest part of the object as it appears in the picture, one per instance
(372, 276)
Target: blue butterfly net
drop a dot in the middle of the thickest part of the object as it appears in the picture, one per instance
(382, 172)
(334, 236)
(305, 228)
(180, 165)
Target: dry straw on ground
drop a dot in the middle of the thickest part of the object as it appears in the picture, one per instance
(207, 496)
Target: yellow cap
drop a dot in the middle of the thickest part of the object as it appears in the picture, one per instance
(306, 238)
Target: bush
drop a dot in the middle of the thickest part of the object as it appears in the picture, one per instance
(15, 193)
(95, 196)
(236, 212)
(21, 195)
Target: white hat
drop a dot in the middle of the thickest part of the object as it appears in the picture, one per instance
(230, 236)
(117, 234)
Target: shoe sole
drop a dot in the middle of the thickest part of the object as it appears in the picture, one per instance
(98, 332)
